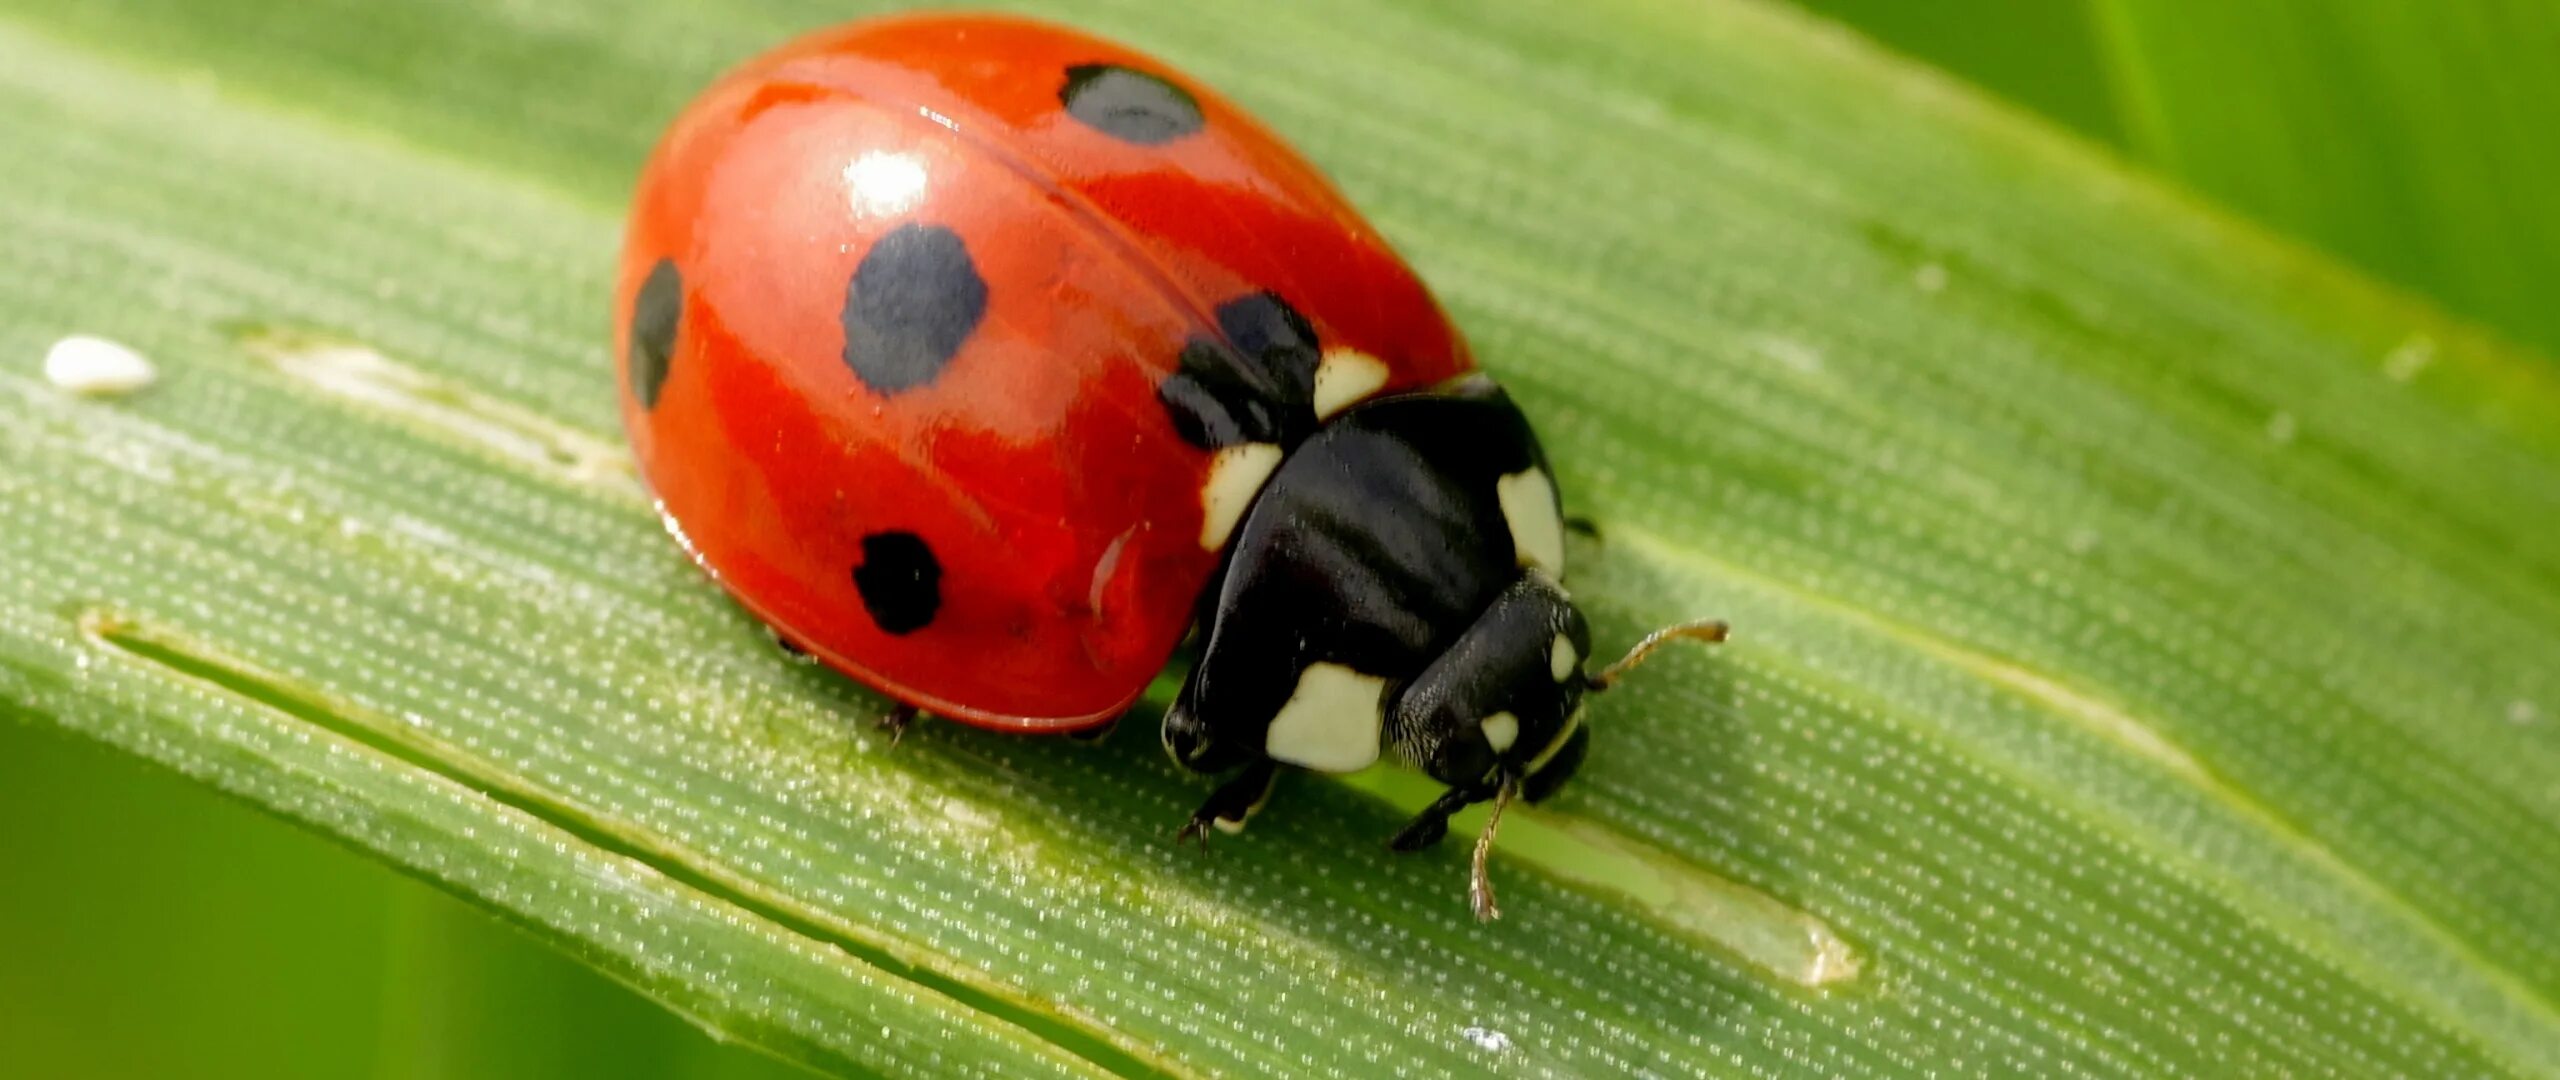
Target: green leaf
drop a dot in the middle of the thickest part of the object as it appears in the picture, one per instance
(2138, 672)
(2410, 137)
(2039, 53)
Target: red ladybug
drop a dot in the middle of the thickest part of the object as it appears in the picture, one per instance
(982, 359)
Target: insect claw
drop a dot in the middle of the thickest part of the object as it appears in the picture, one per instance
(896, 722)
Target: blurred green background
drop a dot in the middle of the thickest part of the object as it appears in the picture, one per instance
(154, 927)
(177, 933)
(2411, 137)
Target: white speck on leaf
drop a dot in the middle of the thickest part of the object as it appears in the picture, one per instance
(97, 367)
(2411, 357)
(1487, 1039)
(2521, 712)
(1795, 355)
(2281, 428)
(967, 814)
(1930, 277)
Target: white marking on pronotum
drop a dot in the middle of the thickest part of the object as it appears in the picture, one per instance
(1346, 376)
(1529, 507)
(97, 367)
(1236, 474)
(1562, 658)
(1331, 721)
(1501, 729)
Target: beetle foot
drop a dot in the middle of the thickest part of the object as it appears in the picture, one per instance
(1094, 735)
(896, 721)
(1235, 801)
(797, 652)
(1432, 824)
(1423, 832)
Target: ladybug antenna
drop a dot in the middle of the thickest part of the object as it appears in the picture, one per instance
(1480, 883)
(1710, 631)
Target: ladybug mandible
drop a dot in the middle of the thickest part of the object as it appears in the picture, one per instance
(982, 359)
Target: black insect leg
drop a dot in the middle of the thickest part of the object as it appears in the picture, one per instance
(1232, 803)
(790, 648)
(1094, 735)
(1429, 826)
(1432, 824)
(897, 720)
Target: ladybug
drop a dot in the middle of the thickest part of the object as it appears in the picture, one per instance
(985, 360)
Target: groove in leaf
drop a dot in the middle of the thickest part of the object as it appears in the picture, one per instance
(186, 657)
(1784, 941)
(1647, 213)
(358, 373)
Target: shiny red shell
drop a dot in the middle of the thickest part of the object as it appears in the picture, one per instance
(1062, 509)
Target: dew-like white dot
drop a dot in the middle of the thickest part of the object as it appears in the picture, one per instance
(2409, 358)
(95, 366)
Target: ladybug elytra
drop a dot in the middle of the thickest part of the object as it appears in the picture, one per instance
(984, 360)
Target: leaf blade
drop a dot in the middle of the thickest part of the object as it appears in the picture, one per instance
(2402, 136)
(1836, 758)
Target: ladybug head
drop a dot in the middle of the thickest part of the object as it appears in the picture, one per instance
(1502, 705)
(1499, 715)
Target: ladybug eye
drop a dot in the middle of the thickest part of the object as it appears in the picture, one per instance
(1129, 105)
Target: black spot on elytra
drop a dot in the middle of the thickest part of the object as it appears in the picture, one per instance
(655, 311)
(900, 581)
(1129, 104)
(913, 301)
(1254, 382)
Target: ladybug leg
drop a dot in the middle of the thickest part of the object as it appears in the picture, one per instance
(1583, 527)
(1231, 804)
(789, 647)
(896, 721)
(1429, 826)
(1094, 735)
